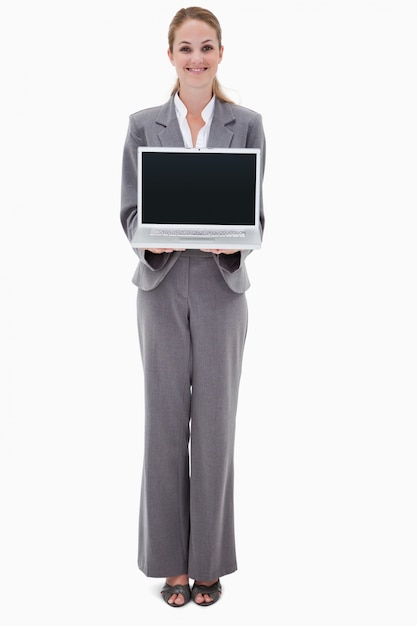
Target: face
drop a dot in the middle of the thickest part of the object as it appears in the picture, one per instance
(196, 54)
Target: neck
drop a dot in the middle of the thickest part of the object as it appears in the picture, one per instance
(196, 100)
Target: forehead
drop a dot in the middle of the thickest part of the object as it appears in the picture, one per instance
(195, 31)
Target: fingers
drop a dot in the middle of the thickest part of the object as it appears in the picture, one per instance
(219, 251)
(161, 250)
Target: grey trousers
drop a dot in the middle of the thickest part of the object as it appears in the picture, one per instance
(192, 330)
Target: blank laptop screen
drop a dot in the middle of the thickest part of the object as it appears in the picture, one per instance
(198, 187)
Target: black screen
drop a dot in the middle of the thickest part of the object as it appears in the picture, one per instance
(198, 188)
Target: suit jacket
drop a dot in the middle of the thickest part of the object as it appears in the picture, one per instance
(233, 126)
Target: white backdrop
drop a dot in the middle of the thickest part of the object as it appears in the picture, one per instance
(325, 454)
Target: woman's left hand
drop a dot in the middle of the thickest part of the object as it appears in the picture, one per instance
(218, 251)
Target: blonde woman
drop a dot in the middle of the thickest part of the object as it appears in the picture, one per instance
(192, 323)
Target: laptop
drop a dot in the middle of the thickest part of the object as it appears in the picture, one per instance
(198, 198)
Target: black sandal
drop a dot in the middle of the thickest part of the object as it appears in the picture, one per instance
(214, 591)
(168, 590)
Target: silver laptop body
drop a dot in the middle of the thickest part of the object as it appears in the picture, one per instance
(198, 198)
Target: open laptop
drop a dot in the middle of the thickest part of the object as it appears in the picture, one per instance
(198, 198)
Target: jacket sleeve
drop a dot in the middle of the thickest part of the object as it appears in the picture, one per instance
(129, 196)
(255, 139)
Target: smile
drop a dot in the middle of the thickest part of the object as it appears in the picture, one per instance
(196, 70)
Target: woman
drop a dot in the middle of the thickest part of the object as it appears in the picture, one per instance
(192, 321)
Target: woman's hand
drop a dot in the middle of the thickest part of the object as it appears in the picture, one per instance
(161, 250)
(218, 251)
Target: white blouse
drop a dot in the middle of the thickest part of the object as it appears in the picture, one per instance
(206, 114)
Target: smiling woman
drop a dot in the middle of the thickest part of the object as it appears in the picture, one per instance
(192, 322)
(195, 50)
(195, 54)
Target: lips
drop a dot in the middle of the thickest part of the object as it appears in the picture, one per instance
(196, 70)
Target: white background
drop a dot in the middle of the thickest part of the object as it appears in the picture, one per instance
(326, 444)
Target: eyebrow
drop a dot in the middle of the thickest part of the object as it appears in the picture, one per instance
(180, 43)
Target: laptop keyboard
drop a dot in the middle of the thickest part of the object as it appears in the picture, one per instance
(178, 232)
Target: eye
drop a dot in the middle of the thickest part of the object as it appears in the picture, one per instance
(185, 49)
(207, 48)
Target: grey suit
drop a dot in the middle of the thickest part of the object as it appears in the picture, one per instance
(192, 322)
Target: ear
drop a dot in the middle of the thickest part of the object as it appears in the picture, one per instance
(221, 53)
(171, 58)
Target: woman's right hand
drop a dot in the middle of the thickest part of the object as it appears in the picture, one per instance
(159, 250)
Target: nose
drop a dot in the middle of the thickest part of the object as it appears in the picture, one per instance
(197, 57)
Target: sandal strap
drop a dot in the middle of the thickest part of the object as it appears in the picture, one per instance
(168, 590)
(213, 589)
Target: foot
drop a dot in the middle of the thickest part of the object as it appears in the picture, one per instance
(177, 599)
(207, 598)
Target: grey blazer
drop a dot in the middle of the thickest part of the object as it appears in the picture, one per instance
(233, 126)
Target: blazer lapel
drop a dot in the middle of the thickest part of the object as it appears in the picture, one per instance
(220, 135)
(169, 132)
(168, 129)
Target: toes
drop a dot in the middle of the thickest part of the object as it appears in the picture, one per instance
(176, 599)
(200, 598)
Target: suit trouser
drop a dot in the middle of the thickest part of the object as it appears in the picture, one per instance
(192, 330)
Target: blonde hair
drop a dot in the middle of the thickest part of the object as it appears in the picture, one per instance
(204, 15)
